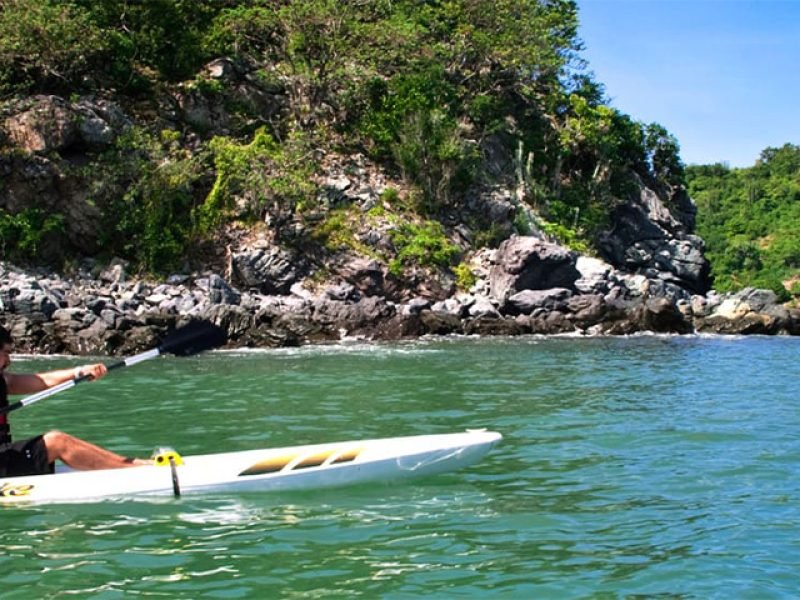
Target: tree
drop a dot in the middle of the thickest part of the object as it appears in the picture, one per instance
(749, 217)
(46, 45)
(663, 154)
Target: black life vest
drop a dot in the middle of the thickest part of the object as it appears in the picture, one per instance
(5, 430)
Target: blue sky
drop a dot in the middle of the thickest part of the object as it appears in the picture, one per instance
(723, 76)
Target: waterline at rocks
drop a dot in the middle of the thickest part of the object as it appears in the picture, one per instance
(531, 287)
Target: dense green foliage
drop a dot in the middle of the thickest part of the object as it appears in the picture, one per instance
(416, 243)
(263, 178)
(83, 45)
(21, 235)
(749, 220)
(423, 244)
(150, 222)
(419, 86)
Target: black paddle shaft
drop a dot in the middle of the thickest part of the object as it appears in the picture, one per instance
(193, 338)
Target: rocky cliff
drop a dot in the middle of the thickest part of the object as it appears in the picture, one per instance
(649, 272)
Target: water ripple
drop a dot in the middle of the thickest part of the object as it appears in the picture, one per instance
(641, 467)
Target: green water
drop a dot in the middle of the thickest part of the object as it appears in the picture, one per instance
(630, 467)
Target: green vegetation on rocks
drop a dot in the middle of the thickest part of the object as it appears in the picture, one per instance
(445, 97)
(22, 234)
(147, 184)
(749, 220)
(424, 244)
(258, 178)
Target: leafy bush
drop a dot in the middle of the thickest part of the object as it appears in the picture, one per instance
(337, 232)
(166, 37)
(432, 154)
(409, 118)
(748, 218)
(22, 234)
(53, 46)
(422, 244)
(151, 223)
(566, 236)
(262, 179)
(391, 103)
(465, 277)
(247, 31)
(45, 44)
(491, 235)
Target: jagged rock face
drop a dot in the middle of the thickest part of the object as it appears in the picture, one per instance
(365, 275)
(53, 124)
(749, 311)
(47, 126)
(527, 301)
(683, 208)
(209, 112)
(647, 238)
(270, 270)
(528, 263)
(33, 176)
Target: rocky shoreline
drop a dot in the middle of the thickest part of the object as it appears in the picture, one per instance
(526, 286)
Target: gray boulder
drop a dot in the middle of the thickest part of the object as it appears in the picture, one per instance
(587, 310)
(527, 301)
(597, 276)
(648, 239)
(47, 125)
(750, 311)
(528, 263)
(271, 270)
(366, 275)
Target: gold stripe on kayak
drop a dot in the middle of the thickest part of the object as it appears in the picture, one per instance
(346, 456)
(273, 464)
(269, 465)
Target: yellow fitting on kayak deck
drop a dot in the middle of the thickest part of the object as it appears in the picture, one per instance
(162, 456)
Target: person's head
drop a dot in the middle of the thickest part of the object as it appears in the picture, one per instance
(6, 348)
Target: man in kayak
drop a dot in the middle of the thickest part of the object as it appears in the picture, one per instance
(37, 455)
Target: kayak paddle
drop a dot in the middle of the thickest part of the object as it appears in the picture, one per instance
(193, 338)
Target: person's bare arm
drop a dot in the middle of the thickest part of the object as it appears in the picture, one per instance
(30, 384)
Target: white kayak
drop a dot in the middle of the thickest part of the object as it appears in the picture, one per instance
(276, 469)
